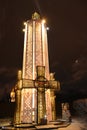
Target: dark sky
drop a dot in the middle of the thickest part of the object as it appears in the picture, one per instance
(67, 40)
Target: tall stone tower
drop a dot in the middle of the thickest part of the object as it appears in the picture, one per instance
(33, 93)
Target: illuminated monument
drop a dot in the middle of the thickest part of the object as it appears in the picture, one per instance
(35, 99)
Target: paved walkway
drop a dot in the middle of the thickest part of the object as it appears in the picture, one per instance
(76, 125)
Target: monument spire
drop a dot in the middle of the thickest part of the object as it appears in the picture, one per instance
(34, 96)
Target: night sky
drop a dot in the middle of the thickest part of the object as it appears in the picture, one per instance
(67, 41)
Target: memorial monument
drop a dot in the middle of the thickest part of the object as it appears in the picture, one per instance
(34, 91)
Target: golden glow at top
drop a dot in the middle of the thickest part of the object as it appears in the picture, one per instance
(25, 23)
(43, 21)
(47, 28)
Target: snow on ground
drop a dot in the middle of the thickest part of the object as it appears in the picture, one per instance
(77, 124)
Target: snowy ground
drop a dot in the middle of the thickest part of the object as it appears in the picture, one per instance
(77, 124)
